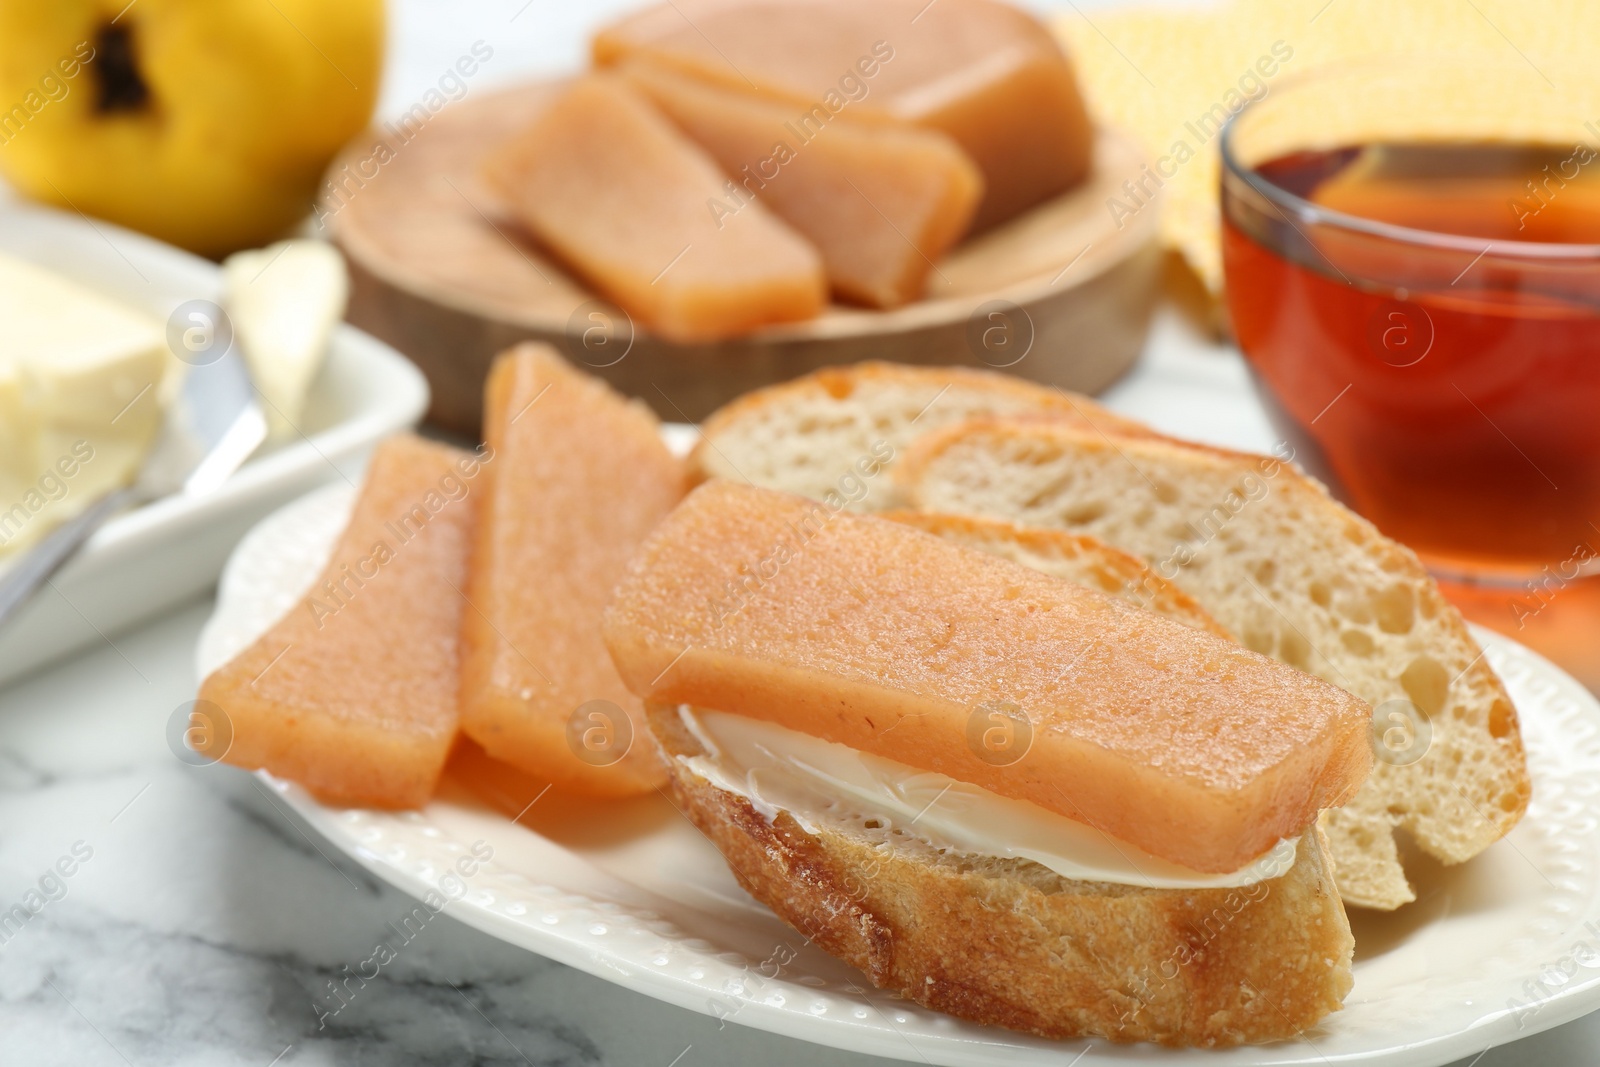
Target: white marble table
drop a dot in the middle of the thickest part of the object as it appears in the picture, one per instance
(206, 919)
(201, 921)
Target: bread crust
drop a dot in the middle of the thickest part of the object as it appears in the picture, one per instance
(843, 380)
(831, 389)
(1009, 943)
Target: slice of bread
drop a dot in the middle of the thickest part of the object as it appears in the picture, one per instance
(1292, 574)
(838, 429)
(1008, 942)
(1071, 557)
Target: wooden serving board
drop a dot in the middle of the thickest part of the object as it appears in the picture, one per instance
(1061, 295)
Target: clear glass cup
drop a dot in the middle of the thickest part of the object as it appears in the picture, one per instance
(1430, 347)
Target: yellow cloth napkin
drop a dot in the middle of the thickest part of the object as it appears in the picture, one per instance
(1168, 75)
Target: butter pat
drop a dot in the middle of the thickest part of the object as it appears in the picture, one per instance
(83, 380)
(285, 302)
(823, 784)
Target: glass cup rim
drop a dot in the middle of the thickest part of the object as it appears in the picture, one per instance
(1310, 213)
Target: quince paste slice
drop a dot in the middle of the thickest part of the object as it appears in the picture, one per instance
(881, 202)
(875, 635)
(353, 692)
(579, 477)
(618, 193)
(991, 77)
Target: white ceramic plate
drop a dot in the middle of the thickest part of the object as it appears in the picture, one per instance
(144, 561)
(1493, 950)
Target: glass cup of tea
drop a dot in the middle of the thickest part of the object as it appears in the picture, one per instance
(1412, 255)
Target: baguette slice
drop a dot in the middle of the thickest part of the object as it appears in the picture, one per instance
(883, 638)
(579, 477)
(836, 430)
(1070, 557)
(1296, 576)
(1008, 942)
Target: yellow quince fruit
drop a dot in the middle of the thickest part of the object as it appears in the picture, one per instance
(206, 123)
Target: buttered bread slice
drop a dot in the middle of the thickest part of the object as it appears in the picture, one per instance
(1006, 941)
(886, 639)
